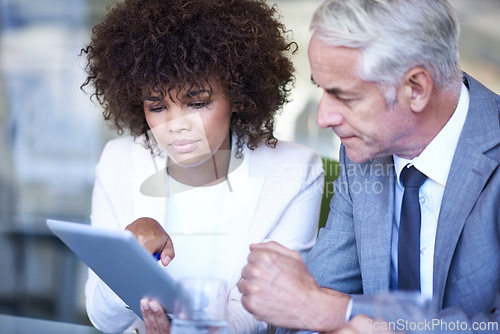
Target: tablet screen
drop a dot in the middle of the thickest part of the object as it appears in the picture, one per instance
(120, 261)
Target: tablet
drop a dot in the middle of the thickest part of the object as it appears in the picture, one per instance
(120, 261)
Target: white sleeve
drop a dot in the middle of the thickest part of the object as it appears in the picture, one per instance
(296, 229)
(105, 309)
(240, 320)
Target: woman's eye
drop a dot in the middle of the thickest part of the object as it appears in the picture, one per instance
(156, 109)
(197, 105)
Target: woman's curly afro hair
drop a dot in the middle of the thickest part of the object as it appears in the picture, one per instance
(145, 45)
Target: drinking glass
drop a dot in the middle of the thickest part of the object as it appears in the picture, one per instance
(200, 307)
(403, 311)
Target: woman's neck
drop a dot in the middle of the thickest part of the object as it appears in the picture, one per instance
(213, 171)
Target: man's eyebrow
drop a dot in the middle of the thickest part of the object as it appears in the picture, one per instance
(332, 91)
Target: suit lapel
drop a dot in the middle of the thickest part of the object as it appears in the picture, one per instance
(469, 173)
(375, 224)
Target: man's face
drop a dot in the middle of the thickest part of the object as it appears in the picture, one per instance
(356, 110)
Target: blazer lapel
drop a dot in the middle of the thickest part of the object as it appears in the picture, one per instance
(469, 173)
(246, 189)
(149, 183)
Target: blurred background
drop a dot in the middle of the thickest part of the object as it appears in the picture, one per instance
(51, 134)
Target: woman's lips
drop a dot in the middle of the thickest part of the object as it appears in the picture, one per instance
(184, 145)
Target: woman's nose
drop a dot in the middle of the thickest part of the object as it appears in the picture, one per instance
(179, 121)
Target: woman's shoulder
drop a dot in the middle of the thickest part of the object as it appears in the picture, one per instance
(123, 145)
(284, 159)
(287, 151)
(120, 144)
(120, 150)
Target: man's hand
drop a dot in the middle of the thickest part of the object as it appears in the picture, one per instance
(154, 316)
(153, 237)
(278, 288)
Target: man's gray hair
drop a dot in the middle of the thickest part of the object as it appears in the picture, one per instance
(394, 36)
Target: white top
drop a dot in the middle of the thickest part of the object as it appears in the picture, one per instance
(271, 194)
(435, 162)
(213, 232)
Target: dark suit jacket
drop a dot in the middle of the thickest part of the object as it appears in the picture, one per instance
(352, 253)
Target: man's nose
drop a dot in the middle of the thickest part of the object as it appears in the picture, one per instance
(328, 114)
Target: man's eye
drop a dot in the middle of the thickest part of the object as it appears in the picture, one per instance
(344, 100)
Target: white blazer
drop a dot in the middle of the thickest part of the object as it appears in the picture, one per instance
(281, 187)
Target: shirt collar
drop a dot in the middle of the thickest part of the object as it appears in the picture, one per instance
(435, 160)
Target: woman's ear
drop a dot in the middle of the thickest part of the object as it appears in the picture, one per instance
(418, 85)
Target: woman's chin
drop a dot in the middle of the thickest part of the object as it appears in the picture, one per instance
(187, 160)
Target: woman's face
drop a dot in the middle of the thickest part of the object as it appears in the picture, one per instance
(190, 125)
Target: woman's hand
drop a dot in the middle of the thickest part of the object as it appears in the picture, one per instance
(154, 316)
(153, 237)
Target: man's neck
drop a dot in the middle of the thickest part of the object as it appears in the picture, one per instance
(433, 119)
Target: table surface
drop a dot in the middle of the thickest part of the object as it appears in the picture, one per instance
(20, 325)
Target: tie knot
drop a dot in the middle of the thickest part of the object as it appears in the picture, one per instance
(412, 177)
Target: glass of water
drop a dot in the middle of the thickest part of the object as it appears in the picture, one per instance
(200, 307)
(403, 311)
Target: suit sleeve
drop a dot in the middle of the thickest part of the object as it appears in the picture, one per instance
(487, 322)
(449, 320)
(333, 261)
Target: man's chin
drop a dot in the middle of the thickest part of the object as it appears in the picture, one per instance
(358, 156)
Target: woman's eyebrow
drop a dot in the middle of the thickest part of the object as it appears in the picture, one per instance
(153, 98)
(194, 93)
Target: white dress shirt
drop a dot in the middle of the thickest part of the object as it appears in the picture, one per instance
(435, 162)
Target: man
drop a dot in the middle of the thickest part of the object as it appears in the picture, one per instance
(395, 95)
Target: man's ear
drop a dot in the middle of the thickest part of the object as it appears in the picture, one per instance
(418, 85)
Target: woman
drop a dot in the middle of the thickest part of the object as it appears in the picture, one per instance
(197, 83)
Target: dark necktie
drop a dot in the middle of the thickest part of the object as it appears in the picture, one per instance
(409, 231)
